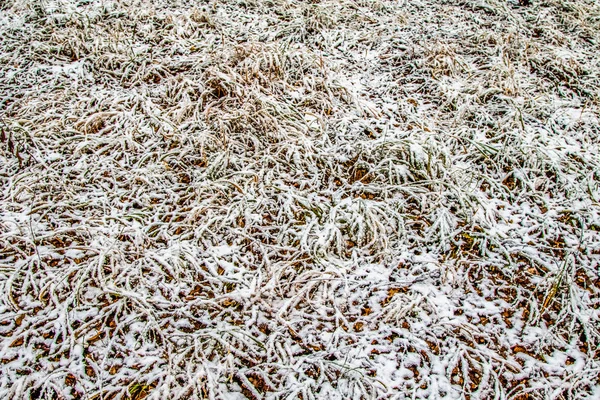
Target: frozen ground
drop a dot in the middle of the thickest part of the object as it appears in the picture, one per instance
(289, 199)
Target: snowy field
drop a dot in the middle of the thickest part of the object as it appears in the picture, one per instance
(284, 199)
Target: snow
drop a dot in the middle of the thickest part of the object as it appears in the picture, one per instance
(268, 199)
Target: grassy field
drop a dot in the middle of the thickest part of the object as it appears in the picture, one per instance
(283, 199)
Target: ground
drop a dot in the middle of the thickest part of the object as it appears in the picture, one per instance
(282, 199)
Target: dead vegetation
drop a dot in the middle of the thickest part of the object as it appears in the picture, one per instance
(283, 199)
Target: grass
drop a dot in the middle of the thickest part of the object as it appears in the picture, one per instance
(285, 199)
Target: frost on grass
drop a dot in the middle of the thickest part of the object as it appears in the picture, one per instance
(286, 199)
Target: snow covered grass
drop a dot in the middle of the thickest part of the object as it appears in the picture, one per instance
(299, 199)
